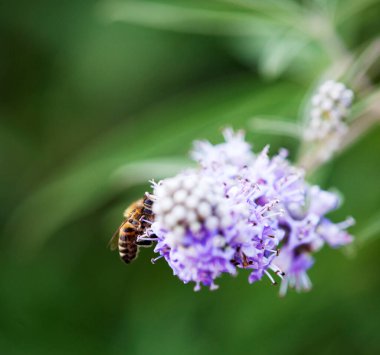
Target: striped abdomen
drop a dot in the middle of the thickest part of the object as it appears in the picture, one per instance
(128, 249)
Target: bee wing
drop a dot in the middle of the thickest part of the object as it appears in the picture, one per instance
(114, 242)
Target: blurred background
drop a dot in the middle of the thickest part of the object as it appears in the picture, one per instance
(98, 97)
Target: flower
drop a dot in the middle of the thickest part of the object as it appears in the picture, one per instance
(306, 231)
(236, 210)
(234, 153)
(206, 226)
(193, 223)
(326, 126)
(330, 105)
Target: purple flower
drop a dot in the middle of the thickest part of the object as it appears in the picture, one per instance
(194, 227)
(306, 231)
(236, 210)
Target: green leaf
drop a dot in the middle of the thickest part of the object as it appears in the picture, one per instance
(276, 126)
(207, 17)
(89, 180)
(370, 232)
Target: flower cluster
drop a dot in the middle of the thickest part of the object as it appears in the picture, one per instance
(193, 222)
(238, 210)
(330, 106)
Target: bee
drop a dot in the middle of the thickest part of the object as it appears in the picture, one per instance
(137, 218)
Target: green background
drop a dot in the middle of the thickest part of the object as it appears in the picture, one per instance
(92, 108)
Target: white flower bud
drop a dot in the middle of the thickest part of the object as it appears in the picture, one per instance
(212, 223)
(204, 210)
(180, 196)
(329, 108)
(191, 202)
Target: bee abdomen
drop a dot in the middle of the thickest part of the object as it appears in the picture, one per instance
(128, 249)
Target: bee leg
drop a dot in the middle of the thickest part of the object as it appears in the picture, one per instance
(143, 220)
(150, 234)
(146, 240)
(144, 243)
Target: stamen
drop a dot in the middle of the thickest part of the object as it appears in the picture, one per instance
(245, 261)
(283, 287)
(270, 278)
(275, 251)
(349, 222)
(295, 193)
(279, 213)
(153, 183)
(288, 180)
(269, 206)
(154, 260)
(280, 274)
(277, 271)
(305, 281)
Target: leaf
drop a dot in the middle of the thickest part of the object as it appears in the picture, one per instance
(276, 126)
(161, 15)
(141, 171)
(207, 17)
(89, 180)
(280, 51)
(348, 9)
(84, 196)
(370, 232)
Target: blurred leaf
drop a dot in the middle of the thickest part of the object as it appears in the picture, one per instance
(208, 17)
(370, 232)
(141, 171)
(276, 126)
(347, 9)
(87, 188)
(270, 7)
(84, 184)
(163, 15)
(279, 53)
(277, 37)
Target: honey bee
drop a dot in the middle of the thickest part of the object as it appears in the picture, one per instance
(137, 218)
